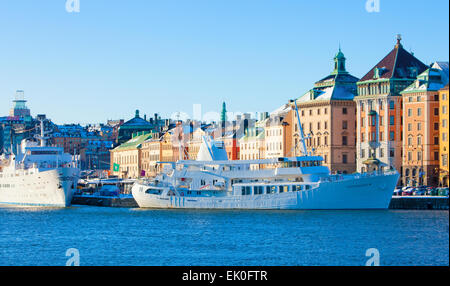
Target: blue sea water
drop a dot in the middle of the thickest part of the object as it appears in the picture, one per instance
(121, 236)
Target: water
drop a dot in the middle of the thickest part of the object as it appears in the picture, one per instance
(115, 236)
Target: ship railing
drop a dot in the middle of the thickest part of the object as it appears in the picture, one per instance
(342, 177)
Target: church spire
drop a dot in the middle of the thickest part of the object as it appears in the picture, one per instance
(223, 114)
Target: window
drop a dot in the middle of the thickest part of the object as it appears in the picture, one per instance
(362, 122)
(409, 126)
(409, 112)
(326, 124)
(419, 155)
(344, 124)
(436, 126)
(436, 140)
(363, 153)
(419, 111)
(444, 123)
(409, 141)
(325, 111)
(381, 152)
(409, 156)
(362, 137)
(436, 156)
(419, 140)
(391, 136)
(391, 104)
(318, 111)
(344, 158)
(344, 110)
(392, 153)
(419, 126)
(381, 136)
(444, 109)
(436, 111)
(344, 140)
(444, 137)
(318, 125)
(391, 120)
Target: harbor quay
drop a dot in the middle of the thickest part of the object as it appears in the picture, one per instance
(116, 193)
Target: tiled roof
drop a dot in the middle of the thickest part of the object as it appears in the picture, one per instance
(397, 64)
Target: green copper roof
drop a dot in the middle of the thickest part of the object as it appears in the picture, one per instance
(134, 142)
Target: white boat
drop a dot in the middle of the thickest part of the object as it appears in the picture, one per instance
(213, 182)
(38, 175)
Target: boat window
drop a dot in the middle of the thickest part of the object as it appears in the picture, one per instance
(246, 191)
(307, 187)
(284, 189)
(258, 190)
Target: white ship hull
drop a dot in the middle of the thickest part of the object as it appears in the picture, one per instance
(52, 188)
(360, 192)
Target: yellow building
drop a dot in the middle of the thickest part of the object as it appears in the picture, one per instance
(443, 136)
(126, 158)
(150, 155)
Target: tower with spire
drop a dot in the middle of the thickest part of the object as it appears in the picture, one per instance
(223, 114)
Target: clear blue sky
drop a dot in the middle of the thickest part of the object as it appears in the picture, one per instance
(116, 56)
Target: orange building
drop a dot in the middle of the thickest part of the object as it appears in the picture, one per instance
(421, 129)
(443, 136)
(379, 109)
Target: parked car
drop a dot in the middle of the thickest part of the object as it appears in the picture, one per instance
(408, 192)
(432, 192)
(397, 192)
(419, 192)
(443, 192)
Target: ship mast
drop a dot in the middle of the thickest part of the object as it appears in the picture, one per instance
(42, 137)
(302, 137)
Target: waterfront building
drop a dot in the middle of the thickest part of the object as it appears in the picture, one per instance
(252, 144)
(125, 158)
(421, 128)
(231, 143)
(443, 136)
(327, 114)
(169, 146)
(278, 133)
(379, 109)
(151, 153)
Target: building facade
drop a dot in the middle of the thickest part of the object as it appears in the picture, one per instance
(126, 158)
(379, 109)
(327, 114)
(421, 129)
(443, 136)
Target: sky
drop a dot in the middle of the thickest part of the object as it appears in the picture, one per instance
(115, 56)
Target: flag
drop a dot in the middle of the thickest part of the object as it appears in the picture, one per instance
(116, 167)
